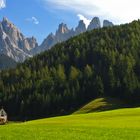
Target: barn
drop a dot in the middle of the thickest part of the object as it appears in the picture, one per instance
(3, 116)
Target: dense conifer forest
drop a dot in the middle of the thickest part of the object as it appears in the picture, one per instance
(102, 62)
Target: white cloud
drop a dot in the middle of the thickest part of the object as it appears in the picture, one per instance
(33, 19)
(86, 21)
(117, 10)
(2, 4)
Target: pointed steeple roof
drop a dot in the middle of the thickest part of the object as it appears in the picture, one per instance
(2, 112)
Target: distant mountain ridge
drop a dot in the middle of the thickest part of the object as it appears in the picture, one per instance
(18, 47)
(64, 33)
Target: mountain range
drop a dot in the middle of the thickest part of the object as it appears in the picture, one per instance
(13, 43)
(18, 47)
(63, 33)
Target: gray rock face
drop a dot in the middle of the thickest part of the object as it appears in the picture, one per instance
(13, 43)
(16, 46)
(48, 42)
(62, 34)
(32, 43)
(107, 23)
(80, 28)
(94, 24)
(62, 29)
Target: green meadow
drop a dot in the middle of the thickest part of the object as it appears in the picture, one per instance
(122, 124)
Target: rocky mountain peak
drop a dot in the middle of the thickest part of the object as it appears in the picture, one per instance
(107, 23)
(8, 24)
(11, 30)
(5, 19)
(13, 43)
(32, 42)
(94, 24)
(81, 27)
(51, 35)
(62, 29)
(63, 33)
(50, 40)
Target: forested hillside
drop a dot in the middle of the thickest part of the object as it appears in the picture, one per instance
(102, 62)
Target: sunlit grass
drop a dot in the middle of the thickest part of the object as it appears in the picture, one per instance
(109, 125)
(101, 104)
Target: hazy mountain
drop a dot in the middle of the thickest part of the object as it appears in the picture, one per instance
(47, 44)
(80, 28)
(94, 24)
(13, 43)
(107, 23)
(63, 33)
(6, 62)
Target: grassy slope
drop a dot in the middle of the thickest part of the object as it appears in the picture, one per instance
(101, 104)
(109, 125)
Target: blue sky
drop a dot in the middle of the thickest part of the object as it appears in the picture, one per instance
(40, 17)
(21, 12)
